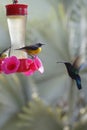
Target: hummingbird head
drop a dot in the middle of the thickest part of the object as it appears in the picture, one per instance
(67, 64)
(40, 44)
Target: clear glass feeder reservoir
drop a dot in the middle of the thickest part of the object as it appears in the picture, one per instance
(17, 61)
(16, 18)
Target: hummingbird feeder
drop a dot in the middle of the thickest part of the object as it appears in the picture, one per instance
(16, 18)
(18, 61)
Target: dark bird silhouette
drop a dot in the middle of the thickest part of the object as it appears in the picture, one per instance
(32, 50)
(15, 1)
(73, 71)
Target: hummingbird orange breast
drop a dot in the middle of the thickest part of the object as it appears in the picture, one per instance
(34, 52)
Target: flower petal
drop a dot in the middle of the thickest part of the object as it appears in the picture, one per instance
(35, 65)
(39, 64)
(41, 69)
(10, 65)
(28, 73)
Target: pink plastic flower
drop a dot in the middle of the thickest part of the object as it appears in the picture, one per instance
(1, 60)
(24, 65)
(10, 65)
(35, 65)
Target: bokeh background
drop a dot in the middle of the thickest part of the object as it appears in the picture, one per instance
(49, 100)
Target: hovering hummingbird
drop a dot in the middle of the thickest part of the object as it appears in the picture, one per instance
(32, 50)
(2, 54)
(73, 71)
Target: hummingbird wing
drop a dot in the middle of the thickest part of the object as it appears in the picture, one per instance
(83, 66)
(76, 62)
(78, 82)
(35, 46)
(31, 47)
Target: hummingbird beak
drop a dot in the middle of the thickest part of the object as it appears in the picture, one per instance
(43, 44)
(60, 62)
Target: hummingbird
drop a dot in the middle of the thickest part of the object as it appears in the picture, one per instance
(15, 1)
(2, 54)
(32, 50)
(73, 71)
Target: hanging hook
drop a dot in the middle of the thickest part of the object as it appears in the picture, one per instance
(15, 1)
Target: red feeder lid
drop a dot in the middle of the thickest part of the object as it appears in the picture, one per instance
(16, 9)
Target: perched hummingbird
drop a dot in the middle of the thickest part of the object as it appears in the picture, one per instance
(73, 71)
(15, 1)
(32, 50)
(2, 54)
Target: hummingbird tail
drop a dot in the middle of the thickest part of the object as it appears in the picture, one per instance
(78, 82)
